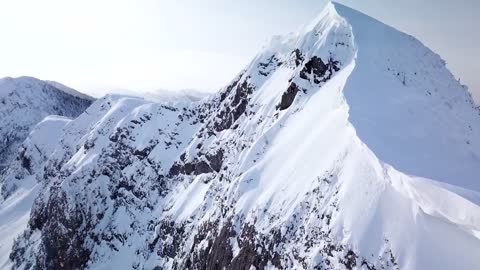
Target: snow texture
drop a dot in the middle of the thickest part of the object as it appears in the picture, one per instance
(306, 160)
(25, 101)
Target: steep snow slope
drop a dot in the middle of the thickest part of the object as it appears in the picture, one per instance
(408, 108)
(19, 182)
(24, 102)
(274, 171)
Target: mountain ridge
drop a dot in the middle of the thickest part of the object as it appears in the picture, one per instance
(25, 101)
(274, 171)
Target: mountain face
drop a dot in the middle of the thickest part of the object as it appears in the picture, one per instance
(25, 101)
(306, 160)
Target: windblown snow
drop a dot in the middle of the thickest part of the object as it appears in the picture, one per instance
(348, 145)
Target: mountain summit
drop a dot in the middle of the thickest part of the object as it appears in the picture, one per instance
(306, 160)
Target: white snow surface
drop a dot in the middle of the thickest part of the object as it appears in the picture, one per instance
(380, 159)
(25, 101)
(21, 187)
(69, 90)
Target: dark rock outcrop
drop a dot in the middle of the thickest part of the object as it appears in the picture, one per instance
(317, 71)
(288, 97)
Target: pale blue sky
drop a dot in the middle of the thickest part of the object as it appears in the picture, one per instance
(96, 46)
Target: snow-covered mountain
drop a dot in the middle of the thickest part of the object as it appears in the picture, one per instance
(164, 95)
(25, 101)
(306, 160)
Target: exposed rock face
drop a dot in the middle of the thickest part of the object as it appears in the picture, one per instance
(288, 97)
(317, 71)
(268, 173)
(236, 98)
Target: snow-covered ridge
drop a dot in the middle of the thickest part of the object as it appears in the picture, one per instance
(69, 90)
(20, 182)
(407, 106)
(8, 85)
(25, 101)
(296, 164)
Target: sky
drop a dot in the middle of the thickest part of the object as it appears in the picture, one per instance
(100, 46)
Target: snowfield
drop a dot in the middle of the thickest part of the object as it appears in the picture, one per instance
(348, 145)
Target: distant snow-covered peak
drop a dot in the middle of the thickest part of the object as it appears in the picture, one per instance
(69, 90)
(23, 83)
(165, 96)
(25, 101)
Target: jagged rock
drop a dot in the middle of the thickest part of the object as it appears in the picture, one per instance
(298, 57)
(288, 97)
(198, 166)
(237, 105)
(319, 72)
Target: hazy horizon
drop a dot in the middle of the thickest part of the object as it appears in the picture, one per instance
(97, 47)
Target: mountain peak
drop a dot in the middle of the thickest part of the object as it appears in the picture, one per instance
(396, 84)
(328, 14)
(9, 84)
(25, 101)
(346, 145)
